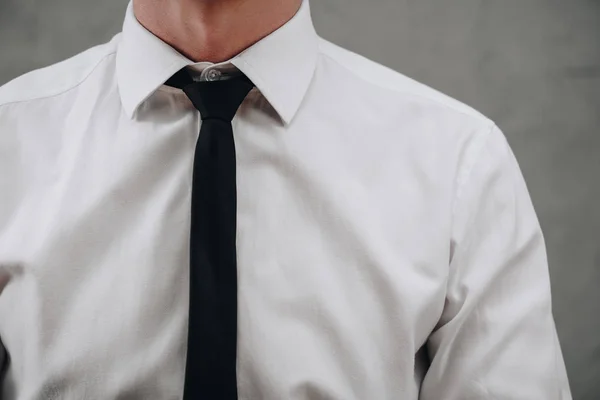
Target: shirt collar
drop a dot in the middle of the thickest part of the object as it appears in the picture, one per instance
(281, 64)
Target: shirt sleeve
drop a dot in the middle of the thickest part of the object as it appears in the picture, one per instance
(496, 338)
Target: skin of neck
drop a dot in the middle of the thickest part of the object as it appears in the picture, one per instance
(213, 30)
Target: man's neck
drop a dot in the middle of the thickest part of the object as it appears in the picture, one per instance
(213, 30)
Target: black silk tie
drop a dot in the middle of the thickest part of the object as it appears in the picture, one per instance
(210, 371)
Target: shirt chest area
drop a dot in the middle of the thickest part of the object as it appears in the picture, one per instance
(341, 261)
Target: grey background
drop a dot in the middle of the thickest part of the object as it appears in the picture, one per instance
(531, 65)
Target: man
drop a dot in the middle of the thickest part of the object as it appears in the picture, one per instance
(220, 204)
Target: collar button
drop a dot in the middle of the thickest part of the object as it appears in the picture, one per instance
(213, 75)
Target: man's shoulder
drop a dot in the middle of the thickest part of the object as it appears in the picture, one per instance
(384, 77)
(56, 78)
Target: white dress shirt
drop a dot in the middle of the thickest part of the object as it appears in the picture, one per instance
(387, 244)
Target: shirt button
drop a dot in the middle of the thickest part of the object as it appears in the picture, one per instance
(213, 75)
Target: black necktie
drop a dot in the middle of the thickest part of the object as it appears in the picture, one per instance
(212, 334)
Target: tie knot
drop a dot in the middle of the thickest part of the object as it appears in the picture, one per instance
(214, 99)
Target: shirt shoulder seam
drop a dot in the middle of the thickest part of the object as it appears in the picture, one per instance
(472, 158)
(463, 177)
(69, 88)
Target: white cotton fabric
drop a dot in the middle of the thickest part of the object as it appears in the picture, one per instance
(377, 219)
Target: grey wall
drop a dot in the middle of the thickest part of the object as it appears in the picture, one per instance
(531, 65)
